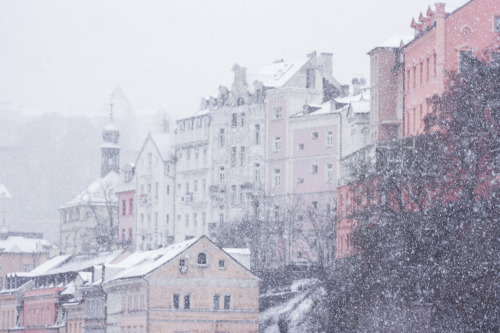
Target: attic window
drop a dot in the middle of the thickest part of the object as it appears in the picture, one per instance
(222, 264)
(202, 259)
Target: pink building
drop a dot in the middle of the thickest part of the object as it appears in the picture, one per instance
(302, 153)
(127, 203)
(444, 42)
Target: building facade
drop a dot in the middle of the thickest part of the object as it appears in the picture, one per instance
(155, 181)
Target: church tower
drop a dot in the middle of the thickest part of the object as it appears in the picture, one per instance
(109, 148)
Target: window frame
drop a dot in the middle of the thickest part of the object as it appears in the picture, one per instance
(199, 256)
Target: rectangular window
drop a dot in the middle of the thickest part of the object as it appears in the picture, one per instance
(234, 120)
(257, 134)
(421, 72)
(221, 218)
(409, 78)
(221, 137)
(233, 195)
(434, 63)
(227, 302)
(168, 189)
(175, 301)
(242, 156)
(195, 185)
(315, 135)
(257, 172)
(205, 154)
(221, 176)
(203, 218)
(301, 146)
(131, 206)
(315, 204)
(124, 207)
(497, 23)
(130, 233)
(156, 190)
(277, 177)
(314, 168)
(242, 119)
(329, 139)
(195, 220)
(216, 302)
(188, 154)
(187, 220)
(277, 143)
(329, 173)
(277, 112)
(414, 76)
(428, 65)
(233, 157)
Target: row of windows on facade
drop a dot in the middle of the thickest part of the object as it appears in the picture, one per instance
(300, 180)
(8, 319)
(72, 214)
(414, 118)
(130, 207)
(196, 154)
(301, 146)
(133, 302)
(75, 327)
(150, 162)
(217, 300)
(193, 124)
(132, 329)
(466, 57)
(256, 136)
(156, 220)
(195, 220)
(256, 175)
(202, 261)
(37, 315)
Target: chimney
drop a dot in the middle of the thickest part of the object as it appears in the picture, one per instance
(344, 90)
(356, 86)
(325, 66)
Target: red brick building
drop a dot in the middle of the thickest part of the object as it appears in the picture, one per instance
(443, 42)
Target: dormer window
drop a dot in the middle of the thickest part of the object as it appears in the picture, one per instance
(202, 259)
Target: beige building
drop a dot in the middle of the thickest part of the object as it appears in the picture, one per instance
(192, 286)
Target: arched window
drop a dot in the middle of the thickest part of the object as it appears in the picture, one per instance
(202, 259)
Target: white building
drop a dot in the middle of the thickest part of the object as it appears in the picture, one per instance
(155, 182)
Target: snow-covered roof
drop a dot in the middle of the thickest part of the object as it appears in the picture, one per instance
(364, 95)
(163, 142)
(242, 255)
(73, 263)
(317, 109)
(109, 145)
(362, 106)
(3, 192)
(18, 244)
(45, 267)
(141, 263)
(277, 74)
(99, 192)
(111, 127)
(396, 41)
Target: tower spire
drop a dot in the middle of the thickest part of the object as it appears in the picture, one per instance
(111, 107)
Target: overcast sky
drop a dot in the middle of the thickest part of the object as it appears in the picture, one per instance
(67, 56)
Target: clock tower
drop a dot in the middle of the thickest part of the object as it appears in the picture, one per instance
(110, 148)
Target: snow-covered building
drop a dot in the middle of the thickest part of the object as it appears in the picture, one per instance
(89, 221)
(193, 175)
(125, 191)
(155, 181)
(188, 286)
(238, 150)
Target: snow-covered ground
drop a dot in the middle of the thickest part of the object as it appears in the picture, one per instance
(302, 311)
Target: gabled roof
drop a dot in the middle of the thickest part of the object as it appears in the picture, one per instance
(18, 244)
(276, 75)
(100, 191)
(162, 142)
(141, 263)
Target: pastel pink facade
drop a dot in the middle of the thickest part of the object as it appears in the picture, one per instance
(126, 219)
(442, 40)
